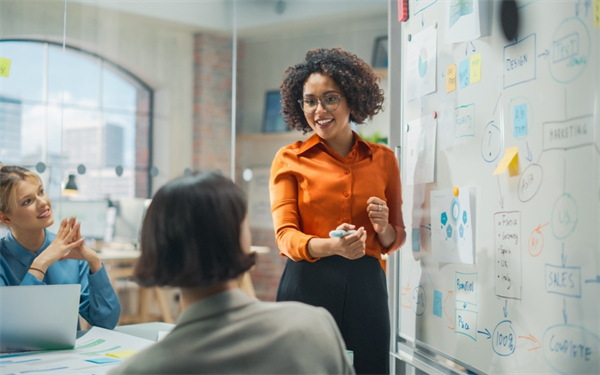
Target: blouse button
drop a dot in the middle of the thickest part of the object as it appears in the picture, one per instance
(347, 171)
(346, 194)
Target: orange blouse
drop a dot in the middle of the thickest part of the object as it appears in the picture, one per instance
(314, 190)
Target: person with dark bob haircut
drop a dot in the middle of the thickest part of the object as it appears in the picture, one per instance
(336, 202)
(196, 236)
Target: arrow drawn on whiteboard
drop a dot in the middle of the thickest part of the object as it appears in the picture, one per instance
(472, 45)
(544, 54)
(487, 333)
(501, 195)
(534, 340)
(451, 326)
(505, 308)
(596, 280)
(422, 20)
(577, 7)
(588, 4)
(448, 296)
(565, 310)
(563, 257)
(529, 157)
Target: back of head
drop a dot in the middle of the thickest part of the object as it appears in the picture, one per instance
(10, 177)
(191, 234)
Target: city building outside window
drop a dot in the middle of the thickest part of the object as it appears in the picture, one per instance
(77, 114)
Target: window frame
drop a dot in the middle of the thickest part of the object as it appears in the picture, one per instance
(131, 76)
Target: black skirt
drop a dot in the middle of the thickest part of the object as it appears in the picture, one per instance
(355, 293)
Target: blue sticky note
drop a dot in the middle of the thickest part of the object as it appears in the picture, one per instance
(520, 120)
(464, 73)
(102, 361)
(416, 240)
(437, 303)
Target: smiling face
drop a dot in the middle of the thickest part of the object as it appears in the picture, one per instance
(31, 209)
(331, 126)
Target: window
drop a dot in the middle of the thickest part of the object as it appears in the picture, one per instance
(78, 114)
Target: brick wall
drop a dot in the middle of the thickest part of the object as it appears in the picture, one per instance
(212, 102)
(268, 269)
(212, 139)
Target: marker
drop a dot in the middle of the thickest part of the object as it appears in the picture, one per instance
(340, 233)
(455, 191)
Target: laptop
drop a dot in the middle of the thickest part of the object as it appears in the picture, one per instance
(38, 317)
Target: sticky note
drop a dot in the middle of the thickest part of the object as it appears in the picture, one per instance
(122, 354)
(451, 78)
(476, 68)
(510, 161)
(101, 361)
(4, 67)
(416, 240)
(597, 13)
(464, 75)
(520, 120)
(437, 303)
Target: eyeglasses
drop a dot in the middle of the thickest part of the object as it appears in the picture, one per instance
(330, 103)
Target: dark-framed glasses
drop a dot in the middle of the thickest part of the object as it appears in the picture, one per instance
(329, 102)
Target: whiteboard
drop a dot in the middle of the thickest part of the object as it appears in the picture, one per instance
(530, 300)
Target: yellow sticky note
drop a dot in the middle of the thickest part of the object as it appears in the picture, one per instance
(122, 354)
(4, 67)
(451, 77)
(510, 161)
(476, 68)
(597, 13)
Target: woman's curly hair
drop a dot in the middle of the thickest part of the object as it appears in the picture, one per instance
(352, 74)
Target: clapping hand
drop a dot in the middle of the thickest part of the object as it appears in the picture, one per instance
(81, 252)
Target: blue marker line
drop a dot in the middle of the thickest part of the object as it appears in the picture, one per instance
(430, 280)
(29, 360)
(563, 256)
(596, 280)
(46, 370)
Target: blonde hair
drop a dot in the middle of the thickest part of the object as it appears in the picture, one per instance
(10, 177)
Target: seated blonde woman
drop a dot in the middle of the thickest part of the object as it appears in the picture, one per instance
(31, 255)
(196, 236)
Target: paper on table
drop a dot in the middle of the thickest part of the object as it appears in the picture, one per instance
(461, 21)
(93, 345)
(420, 151)
(121, 354)
(421, 60)
(161, 335)
(510, 161)
(101, 361)
(452, 226)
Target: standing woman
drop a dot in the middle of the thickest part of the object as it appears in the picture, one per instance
(31, 255)
(336, 180)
